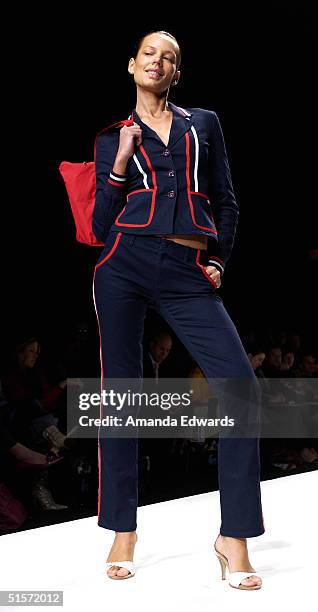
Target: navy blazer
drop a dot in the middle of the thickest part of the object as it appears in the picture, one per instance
(182, 188)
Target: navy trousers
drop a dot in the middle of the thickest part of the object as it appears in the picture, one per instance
(133, 272)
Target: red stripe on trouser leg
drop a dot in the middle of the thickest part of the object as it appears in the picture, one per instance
(112, 250)
(100, 406)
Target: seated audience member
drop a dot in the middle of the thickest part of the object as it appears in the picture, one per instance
(159, 347)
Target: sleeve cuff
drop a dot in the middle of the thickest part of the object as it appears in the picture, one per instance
(118, 180)
(217, 262)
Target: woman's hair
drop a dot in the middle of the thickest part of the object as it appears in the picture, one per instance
(140, 41)
(23, 344)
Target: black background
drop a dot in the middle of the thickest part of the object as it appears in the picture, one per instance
(67, 79)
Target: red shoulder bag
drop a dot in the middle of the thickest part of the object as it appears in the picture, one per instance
(80, 183)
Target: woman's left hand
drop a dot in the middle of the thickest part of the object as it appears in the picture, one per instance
(215, 274)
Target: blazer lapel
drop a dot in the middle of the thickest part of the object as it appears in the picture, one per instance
(181, 122)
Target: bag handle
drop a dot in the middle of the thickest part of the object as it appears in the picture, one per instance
(118, 124)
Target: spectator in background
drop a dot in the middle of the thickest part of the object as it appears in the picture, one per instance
(256, 360)
(160, 346)
(31, 401)
(295, 344)
(288, 360)
(271, 366)
(25, 379)
(26, 388)
(25, 457)
(308, 367)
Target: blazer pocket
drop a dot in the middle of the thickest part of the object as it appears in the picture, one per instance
(139, 209)
(201, 212)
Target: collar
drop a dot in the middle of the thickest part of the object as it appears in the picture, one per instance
(153, 361)
(151, 357)
(182, 121)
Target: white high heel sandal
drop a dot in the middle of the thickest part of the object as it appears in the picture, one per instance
(235, 578)
(128, 565)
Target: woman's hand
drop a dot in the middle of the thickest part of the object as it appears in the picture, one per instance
(129, 137)
(215, 274)
(70, 381)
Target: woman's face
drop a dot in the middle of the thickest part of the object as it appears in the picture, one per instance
(289, 359)
(257, 360)
(155, 66)
(29, 355)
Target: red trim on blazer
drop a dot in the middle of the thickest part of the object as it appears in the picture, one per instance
(201, 194)
(209, 229)
(137, 191)
(116, 184)
(217, 259)
(153, 199)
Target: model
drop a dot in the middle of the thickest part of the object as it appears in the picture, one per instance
(168, 248)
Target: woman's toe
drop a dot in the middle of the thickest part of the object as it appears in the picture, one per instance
(252, 581)
(122, 572)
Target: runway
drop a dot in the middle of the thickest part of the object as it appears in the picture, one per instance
(176, 567)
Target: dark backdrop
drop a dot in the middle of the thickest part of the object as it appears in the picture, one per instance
(67, 79)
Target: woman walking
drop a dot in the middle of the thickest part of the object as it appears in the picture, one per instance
(168, 248)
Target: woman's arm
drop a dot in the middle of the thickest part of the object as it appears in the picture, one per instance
(110, 185)
(113, 150)
(223, 199)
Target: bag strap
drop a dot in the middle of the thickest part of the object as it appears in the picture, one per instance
(118, 124)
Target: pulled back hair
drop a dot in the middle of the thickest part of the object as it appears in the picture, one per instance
(141, 39)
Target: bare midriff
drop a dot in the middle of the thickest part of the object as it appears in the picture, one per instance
(195, 241)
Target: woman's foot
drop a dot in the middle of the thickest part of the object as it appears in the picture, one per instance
(235, 550)
(123, 549)
(42, 497)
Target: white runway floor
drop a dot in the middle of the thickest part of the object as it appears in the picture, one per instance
(176, 568)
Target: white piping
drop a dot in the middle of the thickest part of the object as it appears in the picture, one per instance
(196, 160)
(140, 168)
(116, 178)
(184, 111)
(141, 171)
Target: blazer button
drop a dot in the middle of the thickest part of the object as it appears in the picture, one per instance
(171, 194)
(171, 173)
(166, 152)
